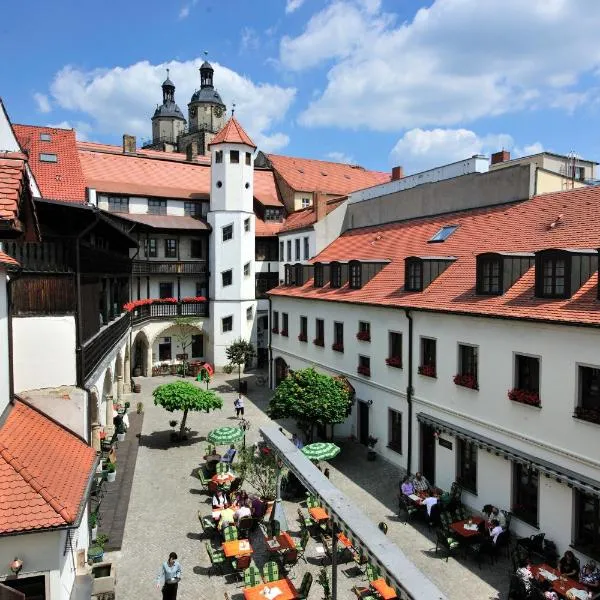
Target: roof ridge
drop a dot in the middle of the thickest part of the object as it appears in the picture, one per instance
(35, 485)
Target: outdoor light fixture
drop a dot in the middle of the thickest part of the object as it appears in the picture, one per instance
(369, 402)
(16, 565)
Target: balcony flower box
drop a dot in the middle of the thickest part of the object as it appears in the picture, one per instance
(302, 337)
(394, 361)
(337, 347)
(363, 336)
(275, 330)
(468, 381)
(591, 415)
(427, 370)
(366, 371)
(524, 397)
(319, 342)
(194, 299)
(284, 332)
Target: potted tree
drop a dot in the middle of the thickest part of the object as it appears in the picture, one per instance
(111, 472)
(371, 443)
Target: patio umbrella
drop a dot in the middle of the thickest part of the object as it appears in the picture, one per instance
(225, 435)
(321, 451)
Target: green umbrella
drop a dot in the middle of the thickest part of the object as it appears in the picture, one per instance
(321, 451)
(225, 435)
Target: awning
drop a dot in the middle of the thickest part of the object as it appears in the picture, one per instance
(550, 470)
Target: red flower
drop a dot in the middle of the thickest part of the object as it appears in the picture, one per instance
(427, 370)
(284, 332)
(524, 397)
(319, 342)
(337, 347)
(302, 337)
(468, 381)
(275, 330)
(194, 299)
(394, 361)
(364, 336)
(363, 370)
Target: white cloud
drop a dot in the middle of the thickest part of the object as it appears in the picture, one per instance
(341, 157)
(293, 5)
(122, 99)
(249, 40)
(455, 62)
(184, 12)
(419, 149)
(43, 102)
(81, 128)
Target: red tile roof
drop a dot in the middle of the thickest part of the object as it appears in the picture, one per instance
(61, 180)
(12, 180)
(518, 227)
(308, 175)
(307, 216)
(114, 149)
(266, 228)
(232, 133)
(5, 259)
(165, 221)
(265, 190)
(44, 472)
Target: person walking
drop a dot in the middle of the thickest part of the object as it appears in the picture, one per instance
(239, 405)
(169, 576)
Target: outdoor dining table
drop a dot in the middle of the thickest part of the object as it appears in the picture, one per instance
(467, 528)
(383, 589)
(318, 513)
(237, 548)
(345, 541)
(223, 477)
(282, 589)
(216, 512)
(283, 541)
(560, 584)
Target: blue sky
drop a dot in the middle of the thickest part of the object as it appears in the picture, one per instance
(373, 82)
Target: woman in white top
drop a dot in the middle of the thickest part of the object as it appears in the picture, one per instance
(219, 500)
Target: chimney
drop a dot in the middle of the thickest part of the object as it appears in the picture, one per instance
(129, 144)
(500, 157)
(320, 205)
(397, 173)
(191, 151)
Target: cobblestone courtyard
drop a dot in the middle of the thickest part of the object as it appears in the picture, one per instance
(165, 499)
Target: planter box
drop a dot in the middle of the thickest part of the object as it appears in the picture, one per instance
(120, 437)
(103, 578)
(110, 477)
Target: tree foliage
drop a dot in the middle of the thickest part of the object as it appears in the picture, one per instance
(258, 467)
(312, 398)
(184, 329)
(239, 353)
(185, 396)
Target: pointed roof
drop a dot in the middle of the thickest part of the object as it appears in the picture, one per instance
(232, 133)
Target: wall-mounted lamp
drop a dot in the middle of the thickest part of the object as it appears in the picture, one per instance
(16, 565)
(369, 402)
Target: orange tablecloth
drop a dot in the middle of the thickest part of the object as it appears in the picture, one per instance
(283, 541)
(288, 591)
(345, 541)
(318, 513)
(223, 478)
(232, 548)
(383, 589)
(558, 585)
(459, 528)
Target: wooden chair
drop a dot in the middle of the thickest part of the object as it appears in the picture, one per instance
(372, 572)
(363, 593)
(270, 571)
(288, 560)
(244, 526)
(407, 508)
(208, 525)
(305, 521)
(301, 545)
(222, 468)
(312, 502)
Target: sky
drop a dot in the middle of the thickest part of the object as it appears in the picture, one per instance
(371, 82)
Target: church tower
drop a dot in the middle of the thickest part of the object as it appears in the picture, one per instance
(168, 122)
(206, 115)
(231, 253)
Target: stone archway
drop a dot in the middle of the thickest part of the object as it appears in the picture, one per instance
(107, 399)
(141, 351)
(118, 387)
(281, 370)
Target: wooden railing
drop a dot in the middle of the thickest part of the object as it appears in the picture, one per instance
(175, 267)
(42, 257)
(95, 349)
(169, 311)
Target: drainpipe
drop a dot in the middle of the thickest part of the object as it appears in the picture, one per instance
(409, 390)
(11, 377)
(270, 356)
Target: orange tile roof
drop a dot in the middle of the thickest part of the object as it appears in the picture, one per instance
(12, 179)
(307, 216)
(265, 190)
(44, 472)
(521, 226)
(309, 175)
(61, 180)
(232, 133)
(114, 149)
(266, 228)
(5, 259)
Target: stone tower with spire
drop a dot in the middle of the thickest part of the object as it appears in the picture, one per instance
(206, 115)
(168, 122)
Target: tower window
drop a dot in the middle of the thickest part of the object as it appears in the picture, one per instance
(227, 232)
(227, 324)
(355, 275)
(248, 158)
(44, 157)
(219, 156)
(219, 184)
(227, 278)
(247, 224)
(234, 156)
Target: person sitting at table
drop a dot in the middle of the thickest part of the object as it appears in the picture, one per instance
(406, 486)
(430, 502)
(229, 455)
(227, 518)
(495, 515)
(242, 511)
(241, 498)
(495, 530)
(219, 500)
(590, 577)
(420, 483)
(568, 565)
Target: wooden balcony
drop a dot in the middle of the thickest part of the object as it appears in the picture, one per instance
(169, 311)
(173, 267)
(42, 257)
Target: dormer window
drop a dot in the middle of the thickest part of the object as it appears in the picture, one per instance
(414, 275)
(336, 275)
(559, 273)
(355, 275)
(489, 275)
(298, 274)
(498, 271)
(553, 277)
(318, 280)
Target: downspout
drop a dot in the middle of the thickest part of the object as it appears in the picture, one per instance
(11, 377)
(409, 391)
(270, 359)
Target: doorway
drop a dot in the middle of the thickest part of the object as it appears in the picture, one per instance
(428, 452)
(363, 422)
(281, 370)
(32, 588)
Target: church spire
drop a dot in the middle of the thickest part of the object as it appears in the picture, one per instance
(168, 88)
(206, 75)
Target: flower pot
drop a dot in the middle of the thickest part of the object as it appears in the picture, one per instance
(121, 437)
(111, 476)
(94, 533)
(95, 553)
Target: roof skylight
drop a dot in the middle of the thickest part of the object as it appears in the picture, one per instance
(444, 233)
(44, 157)
(45, 137)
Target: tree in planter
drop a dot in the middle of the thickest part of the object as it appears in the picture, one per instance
(239, 353)
(184, 329)
(185, 396)
(259, 468)
(312, 398)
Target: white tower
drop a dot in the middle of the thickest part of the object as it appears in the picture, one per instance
(231, 253)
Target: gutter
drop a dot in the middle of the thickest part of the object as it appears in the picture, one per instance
(409, 391)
